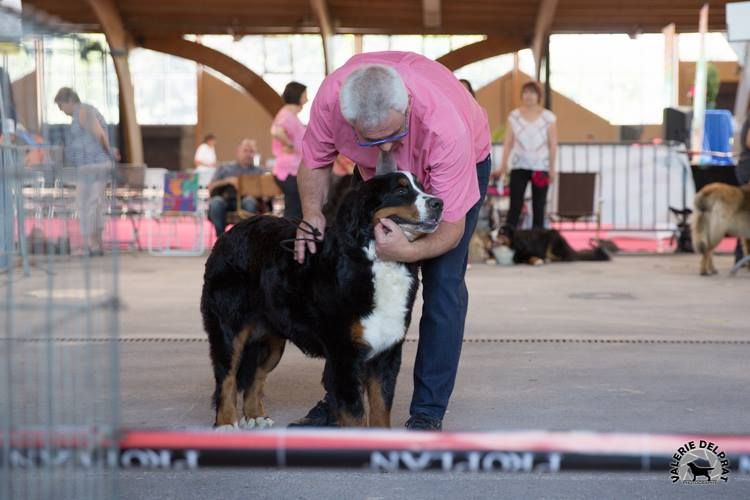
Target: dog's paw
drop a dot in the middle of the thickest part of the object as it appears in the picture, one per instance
(256, 423)
(538, 262)
(227, 428)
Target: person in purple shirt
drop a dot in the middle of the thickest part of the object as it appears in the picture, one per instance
(417, 110)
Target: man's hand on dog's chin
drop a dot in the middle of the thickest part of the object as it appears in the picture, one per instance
(300, 247)
(391, 242)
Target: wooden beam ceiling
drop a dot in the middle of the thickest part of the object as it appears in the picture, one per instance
(490, 17)
(431, 14)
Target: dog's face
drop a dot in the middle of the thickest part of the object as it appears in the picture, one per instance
(399, 197)
(503, 236)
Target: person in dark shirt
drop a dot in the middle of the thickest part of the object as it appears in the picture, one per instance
(743, 169)
(224, 184)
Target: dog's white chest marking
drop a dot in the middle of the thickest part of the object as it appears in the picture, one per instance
(384, 326)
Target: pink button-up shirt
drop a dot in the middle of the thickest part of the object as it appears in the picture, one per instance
(448, 131)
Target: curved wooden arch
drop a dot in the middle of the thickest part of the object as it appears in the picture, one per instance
(490, 47)
(231, 68)
(119, 39)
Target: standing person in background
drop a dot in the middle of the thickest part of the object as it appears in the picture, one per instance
(205, 155)
(743, 164)
(743, 168)
(466, 83)
(286, 132)
(530, 149)
(89, 151)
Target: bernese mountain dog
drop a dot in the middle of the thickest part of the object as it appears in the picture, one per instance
(538, 245)
(342, 304)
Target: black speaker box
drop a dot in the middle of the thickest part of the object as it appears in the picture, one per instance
(676, 125)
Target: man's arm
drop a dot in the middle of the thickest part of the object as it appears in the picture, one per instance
(226, 181)
(280, 134)
(313, 186)
(552, 143)
(391, 243)
(507, 146)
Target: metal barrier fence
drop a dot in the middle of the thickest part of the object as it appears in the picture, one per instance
(51, 289)
(636, 182)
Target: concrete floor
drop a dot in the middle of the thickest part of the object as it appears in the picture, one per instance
(640, 344)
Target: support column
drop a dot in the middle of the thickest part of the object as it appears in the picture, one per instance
(544, 18)
(547, 83)
(515, 81)
(320, 7)
(119, 43)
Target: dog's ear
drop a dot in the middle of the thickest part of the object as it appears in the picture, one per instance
(386, 164)
(350, 225)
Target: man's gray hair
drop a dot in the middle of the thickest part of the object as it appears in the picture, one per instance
(369, 93)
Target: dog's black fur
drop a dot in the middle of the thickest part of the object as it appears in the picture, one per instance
(531, 246)
(256, 296)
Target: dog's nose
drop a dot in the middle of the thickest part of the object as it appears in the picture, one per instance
(435, 203)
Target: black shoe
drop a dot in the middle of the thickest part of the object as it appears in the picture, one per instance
(421, 422)
(319, 416)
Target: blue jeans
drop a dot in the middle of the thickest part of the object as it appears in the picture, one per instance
(441, 329)
(218, 208)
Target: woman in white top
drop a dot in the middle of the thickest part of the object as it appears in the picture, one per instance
(530, 150)
(205, 155)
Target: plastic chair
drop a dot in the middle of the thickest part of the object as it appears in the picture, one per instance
(262, 187)
(576, 198)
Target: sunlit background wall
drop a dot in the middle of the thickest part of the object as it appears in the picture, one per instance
(611, 75)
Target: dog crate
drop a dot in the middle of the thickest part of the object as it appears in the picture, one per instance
(59, 388)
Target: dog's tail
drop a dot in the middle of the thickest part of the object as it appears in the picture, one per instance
(593, 254)
(703, 203)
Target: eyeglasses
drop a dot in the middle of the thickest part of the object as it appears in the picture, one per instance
(394, 137)
(398, 135)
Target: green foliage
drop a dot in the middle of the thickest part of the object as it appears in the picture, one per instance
(498, 135)
(712, 85)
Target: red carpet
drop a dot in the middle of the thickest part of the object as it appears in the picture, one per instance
(181, 233)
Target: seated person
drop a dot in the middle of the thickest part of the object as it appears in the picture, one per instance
(225, 182)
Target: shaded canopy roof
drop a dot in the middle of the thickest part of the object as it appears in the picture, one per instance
(491, 17)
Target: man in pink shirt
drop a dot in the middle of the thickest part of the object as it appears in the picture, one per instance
(416, 109)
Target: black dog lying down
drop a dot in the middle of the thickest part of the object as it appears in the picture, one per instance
(535, 246)
(343, 303)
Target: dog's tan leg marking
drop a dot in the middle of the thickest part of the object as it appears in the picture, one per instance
(226, 414)
(380, 415)
(710, 261)
(535, 261)
(253, 397)
(703, 266)
(346, 419)
(550, 256)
